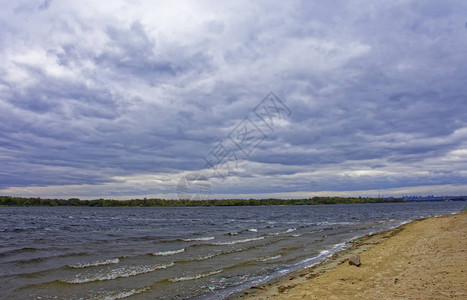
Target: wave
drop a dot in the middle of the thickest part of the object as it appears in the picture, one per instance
(167, 253)
(121, 272)
(230, 251)
(36, 260)
(327, 223)
(123, 294)
(236, 241)
(198, 276)
(17, 251)
(201, 258)
(29, 261)
(82, 253)
(96, 263)
(253, 230)
(324, 254)
(207, 238)
(224, 252)
(283, 232)
(268, 258)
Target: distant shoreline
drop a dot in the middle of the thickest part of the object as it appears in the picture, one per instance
(156, 202)
(20, 201)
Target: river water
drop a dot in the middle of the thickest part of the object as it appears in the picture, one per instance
(177, 252)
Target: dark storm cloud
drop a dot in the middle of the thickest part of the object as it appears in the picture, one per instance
(124, 98)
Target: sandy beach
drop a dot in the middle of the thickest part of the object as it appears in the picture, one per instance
(424, 259)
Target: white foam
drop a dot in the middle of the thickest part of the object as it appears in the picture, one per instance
(237, 241)
(96, 263)
(290, 230)
(253, 230)
(124, 294)
(121, 272)
(198, 276)
(167, 253)
(207, 238)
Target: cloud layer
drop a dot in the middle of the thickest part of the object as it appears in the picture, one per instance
(124, 98)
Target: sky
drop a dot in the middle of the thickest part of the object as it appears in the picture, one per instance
(232, 99)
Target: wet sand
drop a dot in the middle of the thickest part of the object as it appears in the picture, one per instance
(424, 259)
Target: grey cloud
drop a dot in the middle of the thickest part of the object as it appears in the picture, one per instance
(376, 85)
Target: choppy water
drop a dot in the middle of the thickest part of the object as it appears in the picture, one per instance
(177, 253)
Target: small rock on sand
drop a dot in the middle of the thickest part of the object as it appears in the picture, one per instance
(354, 260)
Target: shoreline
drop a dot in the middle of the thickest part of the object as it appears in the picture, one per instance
(308, 282)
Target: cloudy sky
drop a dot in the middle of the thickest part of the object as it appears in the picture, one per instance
(130, 99)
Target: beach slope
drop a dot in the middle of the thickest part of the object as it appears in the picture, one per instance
(425, 259)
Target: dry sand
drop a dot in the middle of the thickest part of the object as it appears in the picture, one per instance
(425, 259)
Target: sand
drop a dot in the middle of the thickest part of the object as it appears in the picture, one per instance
(425, 259)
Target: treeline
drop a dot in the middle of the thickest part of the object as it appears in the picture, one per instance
(19, 201)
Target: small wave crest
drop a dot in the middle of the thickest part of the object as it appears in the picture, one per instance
(198, 276)
(121, 272)
(29, 261)
(283, 232)
(201, 258)
(167, 253)
(123, 294)
(96, 263)
(18, 251)
(268, 258)
(237, 241)
(206, 238)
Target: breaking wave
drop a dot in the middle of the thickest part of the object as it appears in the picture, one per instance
(96, 263)
(118, 273)
(123, 294)
(237, 241)
(167, 253)
(207, 238)
(198, 276)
